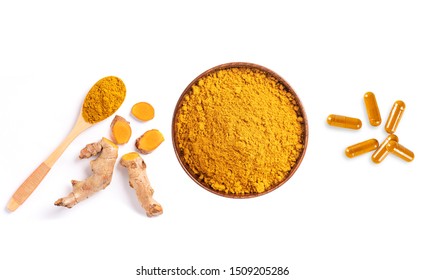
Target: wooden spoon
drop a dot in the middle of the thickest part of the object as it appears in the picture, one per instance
(32, 182)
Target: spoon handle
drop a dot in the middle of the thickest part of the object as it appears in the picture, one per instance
(32, 182)
(28, 186)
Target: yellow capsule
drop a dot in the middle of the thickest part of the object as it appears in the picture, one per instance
(372, 109)
(361, 148)
(400, 151)
(344, 122)
(381, 153)
(395, 116)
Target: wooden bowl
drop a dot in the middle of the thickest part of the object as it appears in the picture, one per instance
(288, 88)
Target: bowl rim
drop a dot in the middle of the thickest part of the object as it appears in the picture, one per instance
(287, 88)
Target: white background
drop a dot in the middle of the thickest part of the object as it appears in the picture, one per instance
(336, 218)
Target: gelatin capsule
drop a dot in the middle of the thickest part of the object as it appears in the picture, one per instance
(381, 153)
(395, 116)
(400, 151)
(372, 109)
(344, 122)
(361, 148)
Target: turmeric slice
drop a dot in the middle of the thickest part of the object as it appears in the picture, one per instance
(143, 111)
(120, 130)
(102, 168)
(149, 141)
(139, 181)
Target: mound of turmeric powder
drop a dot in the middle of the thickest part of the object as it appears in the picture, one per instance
(103, 99)
(239, 131)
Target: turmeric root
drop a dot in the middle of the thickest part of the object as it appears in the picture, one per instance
(102, 168)
(120, 130)
(139, 181)
(143, 111)
(149, 141)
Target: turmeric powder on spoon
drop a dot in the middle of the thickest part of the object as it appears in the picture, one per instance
(103, 99)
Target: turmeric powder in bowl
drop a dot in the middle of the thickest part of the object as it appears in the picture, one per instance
(239, 130)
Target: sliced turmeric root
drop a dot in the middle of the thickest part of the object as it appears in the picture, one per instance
(120, 130)
(143, 111)
(149, 141)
